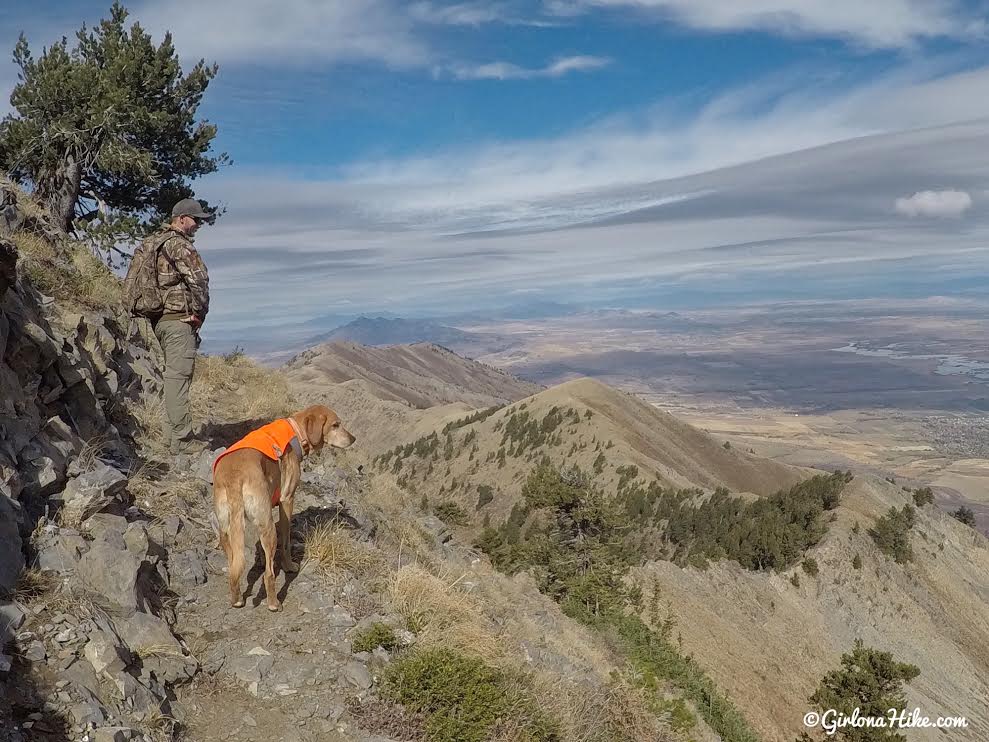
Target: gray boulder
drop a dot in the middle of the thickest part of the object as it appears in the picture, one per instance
(136, 539)
(101, 523)
(357, 675)
(112, 573)
(186, 570)
(161, 654)
(60, 551)
(204, 469)
(251, 668)
(90, 492)
(105, 654)
(11, 617)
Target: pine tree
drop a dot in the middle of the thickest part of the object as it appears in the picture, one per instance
(105, 131)
(870, 680)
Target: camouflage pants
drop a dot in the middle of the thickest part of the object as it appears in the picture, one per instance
(179, 342)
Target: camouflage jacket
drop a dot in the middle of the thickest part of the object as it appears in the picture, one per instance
(182, 277)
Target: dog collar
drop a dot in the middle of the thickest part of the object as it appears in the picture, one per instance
(306, 446)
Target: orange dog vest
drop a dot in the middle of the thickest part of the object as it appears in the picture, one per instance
(273, 440)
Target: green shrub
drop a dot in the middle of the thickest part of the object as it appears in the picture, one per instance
(599, 463)
(576, 546)
(892, 533)
(768, 533)
(451, 512)
(965, 515)
(857, 562)
(374, 636)
(626, 474)
(795, 580)
(461, 697)
(923, 496)
(871, 681)
(655, 658)
(810, 566)
(471, 419)
(485, 494)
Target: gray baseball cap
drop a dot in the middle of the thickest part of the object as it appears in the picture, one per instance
(190, 207)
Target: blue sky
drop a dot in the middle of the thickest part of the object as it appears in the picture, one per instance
(429, 157)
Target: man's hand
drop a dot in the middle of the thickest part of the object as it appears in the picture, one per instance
(193, 320)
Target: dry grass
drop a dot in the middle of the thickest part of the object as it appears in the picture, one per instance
(152, 651)
(92, 451)
(442, 614)
(225, 388)
(360, 603)
(382, 717)
(55, 595)
(331, 552)
(206, 685)
(57, 266)
(184, 497)
(67, 271)
(409, 538)
(233, 387)
(159, 726)
(593, 712)
(149, 413)
(33, 585)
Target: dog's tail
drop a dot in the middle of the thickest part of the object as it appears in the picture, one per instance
(222, 510)
(230, 525)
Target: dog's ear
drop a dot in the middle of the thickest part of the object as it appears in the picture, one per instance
(314, 420)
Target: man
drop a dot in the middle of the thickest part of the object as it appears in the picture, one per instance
(184, 285)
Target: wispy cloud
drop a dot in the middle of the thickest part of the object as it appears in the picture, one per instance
(474, 14)
(937, 204)
(509, 71)
(877, 23)
(268, 33)
(581, 174)
(274, 32)
(806, 183)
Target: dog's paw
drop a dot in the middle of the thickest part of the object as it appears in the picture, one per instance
(237, 603)
(290, 566)
(274, 608)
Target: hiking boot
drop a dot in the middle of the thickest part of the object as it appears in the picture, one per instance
(190, 447)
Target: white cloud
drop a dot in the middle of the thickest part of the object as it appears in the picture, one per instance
(935, 204)
(270, 33)
(876, 23)
(509, 71)
(806, 181)
(461, 14)
(472, 14)
(274, 32)
(561, 180)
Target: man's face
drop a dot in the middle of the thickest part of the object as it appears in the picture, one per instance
(190, 225)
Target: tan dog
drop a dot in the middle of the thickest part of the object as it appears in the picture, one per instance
(249, 481)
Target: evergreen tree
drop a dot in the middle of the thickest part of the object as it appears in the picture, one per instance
(105, 130)
(871, 681)
(965, 515)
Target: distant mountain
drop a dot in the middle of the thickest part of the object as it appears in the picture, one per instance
(530, 310)
(398, 331)
(402, 390)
